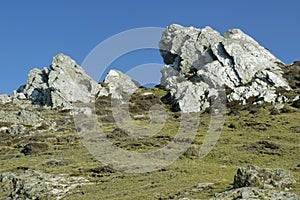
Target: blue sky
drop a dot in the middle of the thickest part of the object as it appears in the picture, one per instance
(32, 32)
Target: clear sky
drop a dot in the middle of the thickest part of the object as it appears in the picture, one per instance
(32, 32)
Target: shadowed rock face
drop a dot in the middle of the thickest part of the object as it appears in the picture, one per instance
(64, 83)
(201, 60)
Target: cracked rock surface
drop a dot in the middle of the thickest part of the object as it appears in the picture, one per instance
(199, 61)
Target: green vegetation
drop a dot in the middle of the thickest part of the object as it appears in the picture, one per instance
(258, 136)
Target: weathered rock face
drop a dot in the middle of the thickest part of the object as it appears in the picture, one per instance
(201, 60)
(256, 183)
(64, 83)
(120, 84)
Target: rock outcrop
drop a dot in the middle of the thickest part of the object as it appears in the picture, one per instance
(253, 176)
(64, 83)
(256, 183)
(200, 61)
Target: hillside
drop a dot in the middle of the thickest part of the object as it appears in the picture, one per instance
(65, 136)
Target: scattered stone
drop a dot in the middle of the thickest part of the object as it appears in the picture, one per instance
(34, 148)
(120, 132)
(18, 129)
(202, 187)
(103, 170)
(21, 117)
(200, 61)
(247, 193)
(265, 145)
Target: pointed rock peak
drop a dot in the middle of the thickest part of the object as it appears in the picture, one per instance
(174, 27)
(64, 62)
(238, 34)
(61, 59)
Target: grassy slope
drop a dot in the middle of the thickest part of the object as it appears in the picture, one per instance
(238, 146)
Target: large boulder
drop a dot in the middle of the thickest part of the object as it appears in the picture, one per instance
(199, 61)
(253, 176)
(65, 82)
(120, 84)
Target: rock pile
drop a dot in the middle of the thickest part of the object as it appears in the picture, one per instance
(200, 61)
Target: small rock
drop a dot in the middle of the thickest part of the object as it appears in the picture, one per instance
(296, 102)
(33, 148)
(5, 98)
(147, 93)
(119, 132)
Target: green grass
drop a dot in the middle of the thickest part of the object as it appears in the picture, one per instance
(238, 145)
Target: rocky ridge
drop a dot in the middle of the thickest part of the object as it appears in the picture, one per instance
(200, 64)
